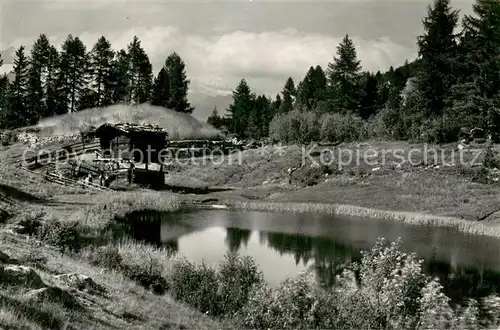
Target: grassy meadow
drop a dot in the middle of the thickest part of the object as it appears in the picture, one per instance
(66, 229)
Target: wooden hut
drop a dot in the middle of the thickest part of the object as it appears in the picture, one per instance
(142, 144)
(132, 141)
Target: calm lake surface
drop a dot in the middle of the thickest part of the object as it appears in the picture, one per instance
(284, 244)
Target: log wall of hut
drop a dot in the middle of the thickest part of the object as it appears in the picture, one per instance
(146, 146)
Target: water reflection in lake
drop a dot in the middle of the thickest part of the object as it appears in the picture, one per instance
(284, 244)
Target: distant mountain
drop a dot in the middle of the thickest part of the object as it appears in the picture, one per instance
(204, 104)
(8, 55)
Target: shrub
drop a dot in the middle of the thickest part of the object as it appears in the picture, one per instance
(7, 138)
(64, 235)
(489, 309)
(4, 140)
(311, 175)
(31, 223)
(307, 126)
(295, 126)
(195, 285)
(343, 128)
(440, 131)
(296, 304)
(237, 276)
(481, 175)
(106, 257)
(386, 290)
(150, 278)
(491, 159)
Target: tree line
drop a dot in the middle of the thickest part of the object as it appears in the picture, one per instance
(49, 82)
(452, 87)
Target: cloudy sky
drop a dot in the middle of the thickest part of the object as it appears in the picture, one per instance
(224, 41)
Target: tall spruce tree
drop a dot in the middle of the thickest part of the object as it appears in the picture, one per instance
(289, 95)
(263, 110)
(18, 115)
(437, 51)
(140, 73)
(305, 90)
(240, 109)
(121, 78)
(178, 84)
(145, 80)
(52, 97)
(319, 85)
(344, 78)
(214, 119)
(369, 102)
(73, 73)
(311, 90)
(4, 97)
(101, 69)
(161, 89)
(275, 106)
(37, 81)
(476, 99)
(258, 119)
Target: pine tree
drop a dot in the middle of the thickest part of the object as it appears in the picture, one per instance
(214, 119)
(275, 106)
(101, 68)
(305, 89)
(437, 51)
(73, 73)
(311, 90)
(18, 114)
(140, 73)
(241, 108)
(52, 96)
(161, 89)
(4, 97)
(319, 84)
(37, 81)
(344, 78)
(289, 94)
(477, 92)
(394, 99)
(178, 84)
(382, 89)
(369, 98)
(121, 78)
(145, 80)
(263, 111)
(134, 54)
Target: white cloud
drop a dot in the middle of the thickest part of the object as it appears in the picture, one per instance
(217, 63)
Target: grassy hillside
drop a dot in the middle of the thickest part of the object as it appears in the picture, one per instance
(178, 125)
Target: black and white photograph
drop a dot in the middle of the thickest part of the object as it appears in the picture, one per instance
(249, 164)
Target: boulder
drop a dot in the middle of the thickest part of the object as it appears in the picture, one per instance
(54, 295)
(81, 283)
(17, 275)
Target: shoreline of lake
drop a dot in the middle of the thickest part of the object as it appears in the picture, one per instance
(411, 218)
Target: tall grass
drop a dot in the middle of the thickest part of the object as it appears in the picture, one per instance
(411, 218)
(178, 125)
(117, 204)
